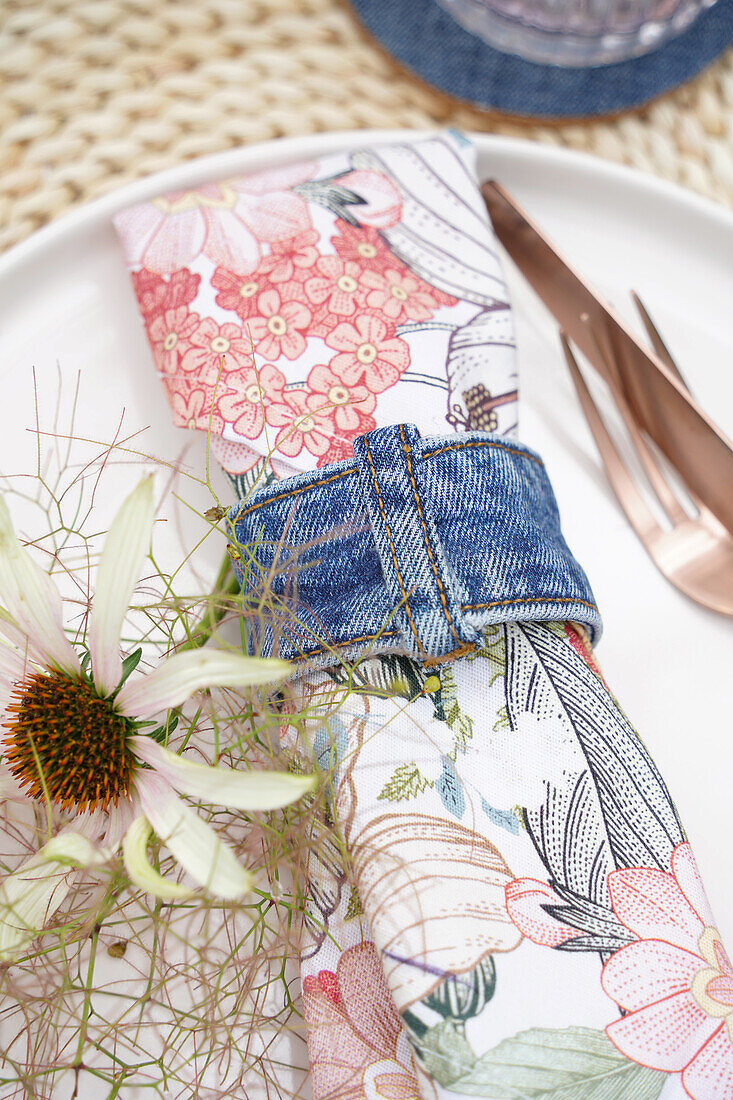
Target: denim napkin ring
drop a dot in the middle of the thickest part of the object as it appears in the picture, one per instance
(414, 547)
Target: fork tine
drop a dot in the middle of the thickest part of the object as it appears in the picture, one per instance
(622, 483)
(656, 340)
(655, 477)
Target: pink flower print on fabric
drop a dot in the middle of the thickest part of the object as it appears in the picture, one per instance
(355, 1045)
(399, 295)
(363, 246)
(249, 392)
(192, 406)
(155, 295)
(292, 259)
(369, 353)
(281, 324)
(216, 350)
(526, 899)
(239, 293)
(299, 425)
(381, 204)
(348, 405)
(675, 982)
(169, 334)
(336, 285)
(226, 221)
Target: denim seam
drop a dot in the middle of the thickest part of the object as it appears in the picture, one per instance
(483, 443)
(293, 492)
(529, 599)
(352, 469)
(349, 641)
(441, 590)
(391, 544)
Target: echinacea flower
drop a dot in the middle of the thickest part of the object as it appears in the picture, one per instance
(78, 739)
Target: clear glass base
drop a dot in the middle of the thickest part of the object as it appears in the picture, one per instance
(576, 33)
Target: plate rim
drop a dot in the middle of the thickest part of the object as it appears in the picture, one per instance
(197, 170)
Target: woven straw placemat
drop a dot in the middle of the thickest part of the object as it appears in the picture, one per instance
(95, 93)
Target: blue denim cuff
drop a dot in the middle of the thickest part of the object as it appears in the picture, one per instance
(413, 547)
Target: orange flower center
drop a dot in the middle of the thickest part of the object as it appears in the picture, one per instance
(277, 325)
(366, 354)
(66, 743)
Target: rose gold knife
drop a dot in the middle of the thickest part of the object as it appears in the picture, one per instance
(658, 399)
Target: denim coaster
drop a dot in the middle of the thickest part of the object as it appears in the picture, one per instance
(425, 38)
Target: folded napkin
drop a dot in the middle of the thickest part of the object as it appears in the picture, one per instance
(501, 900)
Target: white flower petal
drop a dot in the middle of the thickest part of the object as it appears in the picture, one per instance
(179, 676)
(10, 789)
(238, 790)
(34, 892)
(13, 664)
(32, 601)
(195, 845)
(125, 547)
(140, 869)
(14, 667)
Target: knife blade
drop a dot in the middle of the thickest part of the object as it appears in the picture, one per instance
(663, 407)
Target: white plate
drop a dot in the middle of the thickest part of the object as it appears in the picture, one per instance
(65, 298)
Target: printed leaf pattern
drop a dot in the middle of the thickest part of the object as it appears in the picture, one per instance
(502, 720)
(458, 720)
(621, 810)
(576, 1063)
(449, 787)
(406, 781)
(353, 907)
(462, 996)
(505, 819)
(445, 1053)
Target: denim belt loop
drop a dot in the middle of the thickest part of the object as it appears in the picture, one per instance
(424, 590)
(415, 546)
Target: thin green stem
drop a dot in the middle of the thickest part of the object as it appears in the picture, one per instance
(226, 585)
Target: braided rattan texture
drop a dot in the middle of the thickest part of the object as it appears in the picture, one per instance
(95, 93)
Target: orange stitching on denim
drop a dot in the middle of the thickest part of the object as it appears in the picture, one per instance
(483, 443)
(466, 647)
(294, 492)
(324, 646)
(529, 599)
(443, 600)
(391, 545)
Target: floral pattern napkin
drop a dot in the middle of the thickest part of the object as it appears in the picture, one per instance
(501, 901)
(290, 311)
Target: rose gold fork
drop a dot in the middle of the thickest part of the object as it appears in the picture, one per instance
(696, 553)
